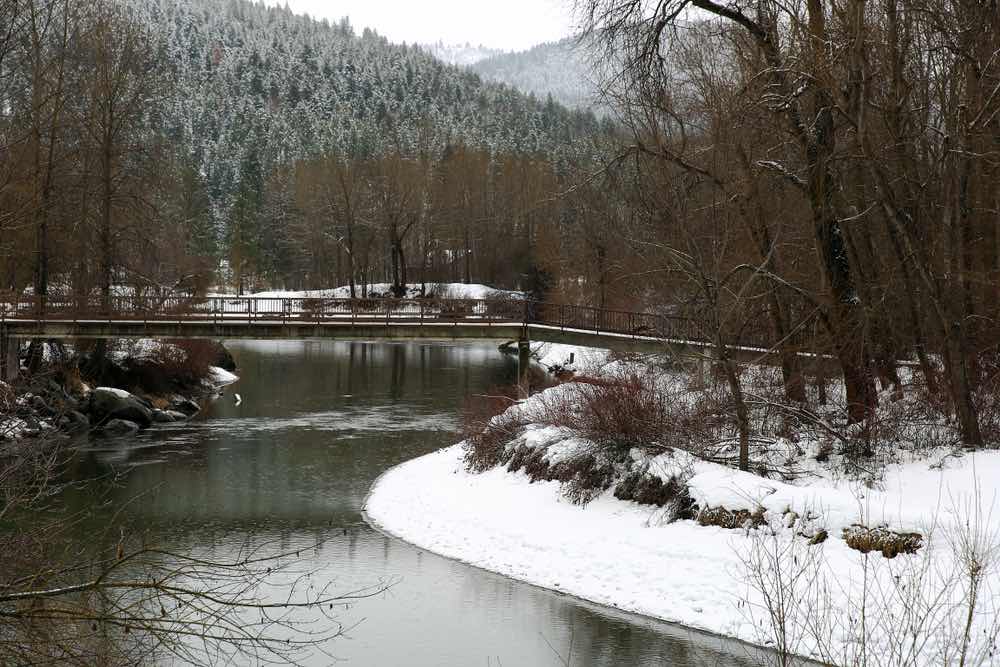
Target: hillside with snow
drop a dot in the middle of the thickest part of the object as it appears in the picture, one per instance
(462, 55)
(564, 70)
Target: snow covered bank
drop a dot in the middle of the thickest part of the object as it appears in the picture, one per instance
(621, 554)
(610, 552)
(792, 582)
(570, 357)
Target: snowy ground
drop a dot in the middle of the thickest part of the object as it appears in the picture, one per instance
(837, 604)
(570, 357)
(436, 290)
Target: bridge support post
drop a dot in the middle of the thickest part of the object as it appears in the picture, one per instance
(9, 366)
(523, 365)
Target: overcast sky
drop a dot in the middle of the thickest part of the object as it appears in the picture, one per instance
(501, 24)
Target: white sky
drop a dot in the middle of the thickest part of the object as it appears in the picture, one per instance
(512, 25)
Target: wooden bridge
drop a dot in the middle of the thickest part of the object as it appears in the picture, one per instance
(358, 319)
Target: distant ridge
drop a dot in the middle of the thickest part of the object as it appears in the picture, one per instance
(462, 55)
(562, 69)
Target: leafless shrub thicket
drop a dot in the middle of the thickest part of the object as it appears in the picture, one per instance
(636, 412)
(187, 361)
(610, 419)
(940, 606)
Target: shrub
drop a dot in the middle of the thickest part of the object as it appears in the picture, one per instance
(174, 365)
(162, 367)
(487, 427)
(618, 413)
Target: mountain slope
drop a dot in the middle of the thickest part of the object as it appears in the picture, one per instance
(259, 86)
(562, 69)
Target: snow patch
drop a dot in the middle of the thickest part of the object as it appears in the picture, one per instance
(376, 290)
(120, 393)
(221, 377)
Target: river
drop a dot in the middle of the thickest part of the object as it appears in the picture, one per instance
(318, 423)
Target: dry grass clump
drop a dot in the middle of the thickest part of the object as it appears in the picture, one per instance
(731, 519)
(646, 489)
(890, 543)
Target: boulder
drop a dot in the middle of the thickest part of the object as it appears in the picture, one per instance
(74, 421)
(39, 405)
(168, 416)
(107, 403)
(116, 428)
(185, 406)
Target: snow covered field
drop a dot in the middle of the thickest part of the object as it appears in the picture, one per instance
(770, 585)
(436, 290)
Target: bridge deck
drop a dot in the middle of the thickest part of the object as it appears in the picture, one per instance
(360, 319)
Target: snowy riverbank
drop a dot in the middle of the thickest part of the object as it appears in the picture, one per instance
(838, 603)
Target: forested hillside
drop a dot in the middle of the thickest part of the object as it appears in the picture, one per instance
(251, 146)
(259, 88)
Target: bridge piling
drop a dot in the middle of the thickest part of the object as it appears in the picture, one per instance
(523, 364)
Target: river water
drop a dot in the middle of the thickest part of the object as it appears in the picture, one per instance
(318, 423)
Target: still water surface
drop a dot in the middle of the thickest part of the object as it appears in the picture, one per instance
(318, 423)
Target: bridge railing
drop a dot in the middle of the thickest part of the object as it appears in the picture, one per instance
(260, 309)
(370, 311)
(643, 325)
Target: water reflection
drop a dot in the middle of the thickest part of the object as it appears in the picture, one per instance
(292, 465)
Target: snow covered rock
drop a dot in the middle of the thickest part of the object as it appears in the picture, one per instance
(107, 403)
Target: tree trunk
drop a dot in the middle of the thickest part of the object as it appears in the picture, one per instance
(468, 256)
(846, 314)
(791, 364)
(962, 387)
(105, 229)
(351, 269)
(739, 403)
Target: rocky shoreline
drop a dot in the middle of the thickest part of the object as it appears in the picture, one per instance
(137, 386)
